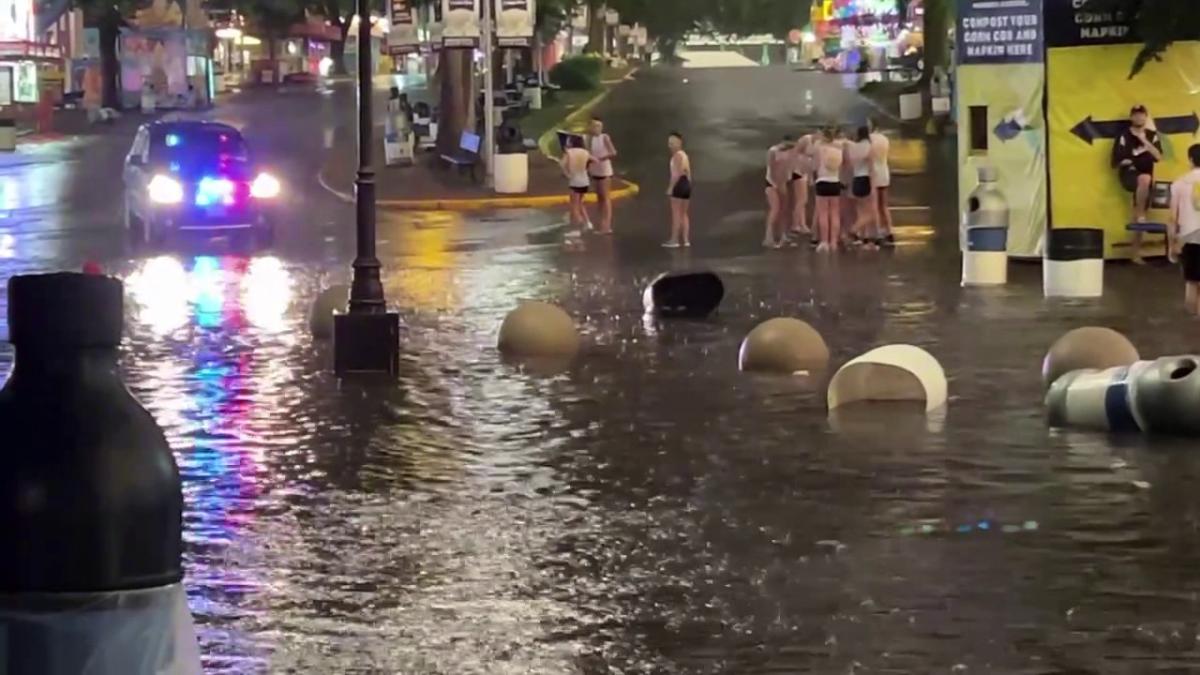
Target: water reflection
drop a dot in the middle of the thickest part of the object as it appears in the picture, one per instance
(214, 292)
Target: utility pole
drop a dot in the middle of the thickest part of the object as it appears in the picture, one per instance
(489, 95)
(366, 340)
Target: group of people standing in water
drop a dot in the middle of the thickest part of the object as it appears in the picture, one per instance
(848, 176)
(850, 180)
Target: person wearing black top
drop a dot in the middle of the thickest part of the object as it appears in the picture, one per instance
(1135, 152)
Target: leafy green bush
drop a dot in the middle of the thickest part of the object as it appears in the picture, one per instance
(577, 73)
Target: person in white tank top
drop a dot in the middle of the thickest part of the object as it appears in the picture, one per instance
(779, 174)
(881, 180)
(574, 164)
(860, 158)
(828, 151)
(802, 169)
(603, 153)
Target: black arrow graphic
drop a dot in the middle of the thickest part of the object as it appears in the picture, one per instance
(1089, 129)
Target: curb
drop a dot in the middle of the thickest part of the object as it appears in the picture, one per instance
(625, 190)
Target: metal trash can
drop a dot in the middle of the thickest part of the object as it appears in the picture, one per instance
(1074, 263)
(985, 253)
(8, 134)
(512, 161)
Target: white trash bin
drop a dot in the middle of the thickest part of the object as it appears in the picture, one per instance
(8, 135)
(911, 107)
(512, 173)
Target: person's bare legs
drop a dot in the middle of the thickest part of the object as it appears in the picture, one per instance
(675, 224)
(883, 211)
(835, 222)
(769, 238)
(685, 221)
(1191, 298)
(1141, 202)
(604, 201)
(800, 207)
(825, 206)
(865, 225)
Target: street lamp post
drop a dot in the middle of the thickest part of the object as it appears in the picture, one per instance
(366, 339)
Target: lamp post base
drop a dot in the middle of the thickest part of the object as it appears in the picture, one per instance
(366, 344)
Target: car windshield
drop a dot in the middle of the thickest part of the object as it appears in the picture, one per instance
(200, 149)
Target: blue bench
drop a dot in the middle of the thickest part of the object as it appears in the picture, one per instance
(466, 158)
(1151, 228)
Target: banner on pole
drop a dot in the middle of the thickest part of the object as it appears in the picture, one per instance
(402, 35)
(515, 22)
(461, 23)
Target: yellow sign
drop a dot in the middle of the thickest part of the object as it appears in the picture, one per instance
(1090, 96)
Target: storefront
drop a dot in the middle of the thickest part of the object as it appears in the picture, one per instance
(31, 70)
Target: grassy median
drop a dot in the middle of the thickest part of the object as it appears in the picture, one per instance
(568, 110)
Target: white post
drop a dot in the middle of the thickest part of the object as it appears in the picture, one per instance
(489, 101)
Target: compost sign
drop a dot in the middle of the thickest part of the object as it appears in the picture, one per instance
(1000, 31)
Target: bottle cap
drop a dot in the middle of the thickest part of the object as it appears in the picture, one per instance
(65, 309)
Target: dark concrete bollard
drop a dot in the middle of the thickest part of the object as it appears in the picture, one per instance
(690, 295)
(90, 497)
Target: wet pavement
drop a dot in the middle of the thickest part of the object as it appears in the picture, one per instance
(651, 509)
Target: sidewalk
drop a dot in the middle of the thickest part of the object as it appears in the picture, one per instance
(431, 185)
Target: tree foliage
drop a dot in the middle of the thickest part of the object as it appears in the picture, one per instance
(1158, 22)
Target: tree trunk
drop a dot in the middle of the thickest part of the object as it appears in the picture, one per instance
(110, 66)
(337, 50)
(456, 104)
(596, 26)
(938, 14)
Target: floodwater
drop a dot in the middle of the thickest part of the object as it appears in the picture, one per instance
(651, 509)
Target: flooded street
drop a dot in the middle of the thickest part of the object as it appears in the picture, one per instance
(651, 509)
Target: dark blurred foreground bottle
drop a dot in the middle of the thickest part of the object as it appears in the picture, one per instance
(90, 497)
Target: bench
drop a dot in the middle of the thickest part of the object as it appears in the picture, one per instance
(466, 158)
(1151, 228)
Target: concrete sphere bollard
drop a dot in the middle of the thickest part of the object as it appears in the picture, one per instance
(538, 329)
(783, 345)
(1090, 347)
(332, 300)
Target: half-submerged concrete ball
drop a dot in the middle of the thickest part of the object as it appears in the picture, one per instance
(783, 345)
(891, 373)
(538, 329)
(332, 300)
(687, 295)
(1090, 347)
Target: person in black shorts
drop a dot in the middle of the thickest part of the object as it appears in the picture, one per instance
(679, 190)
(1135, 152)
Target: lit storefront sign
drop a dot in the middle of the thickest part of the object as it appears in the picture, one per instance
(25, 82)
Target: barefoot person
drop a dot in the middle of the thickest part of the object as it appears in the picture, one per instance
(779, 174)
(1134, 154)
(858, 154)
(603, 153)
(1183, 230)
(802, 168)
(679, 191)
(828, 189)
(575, 167)
(881, 180)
